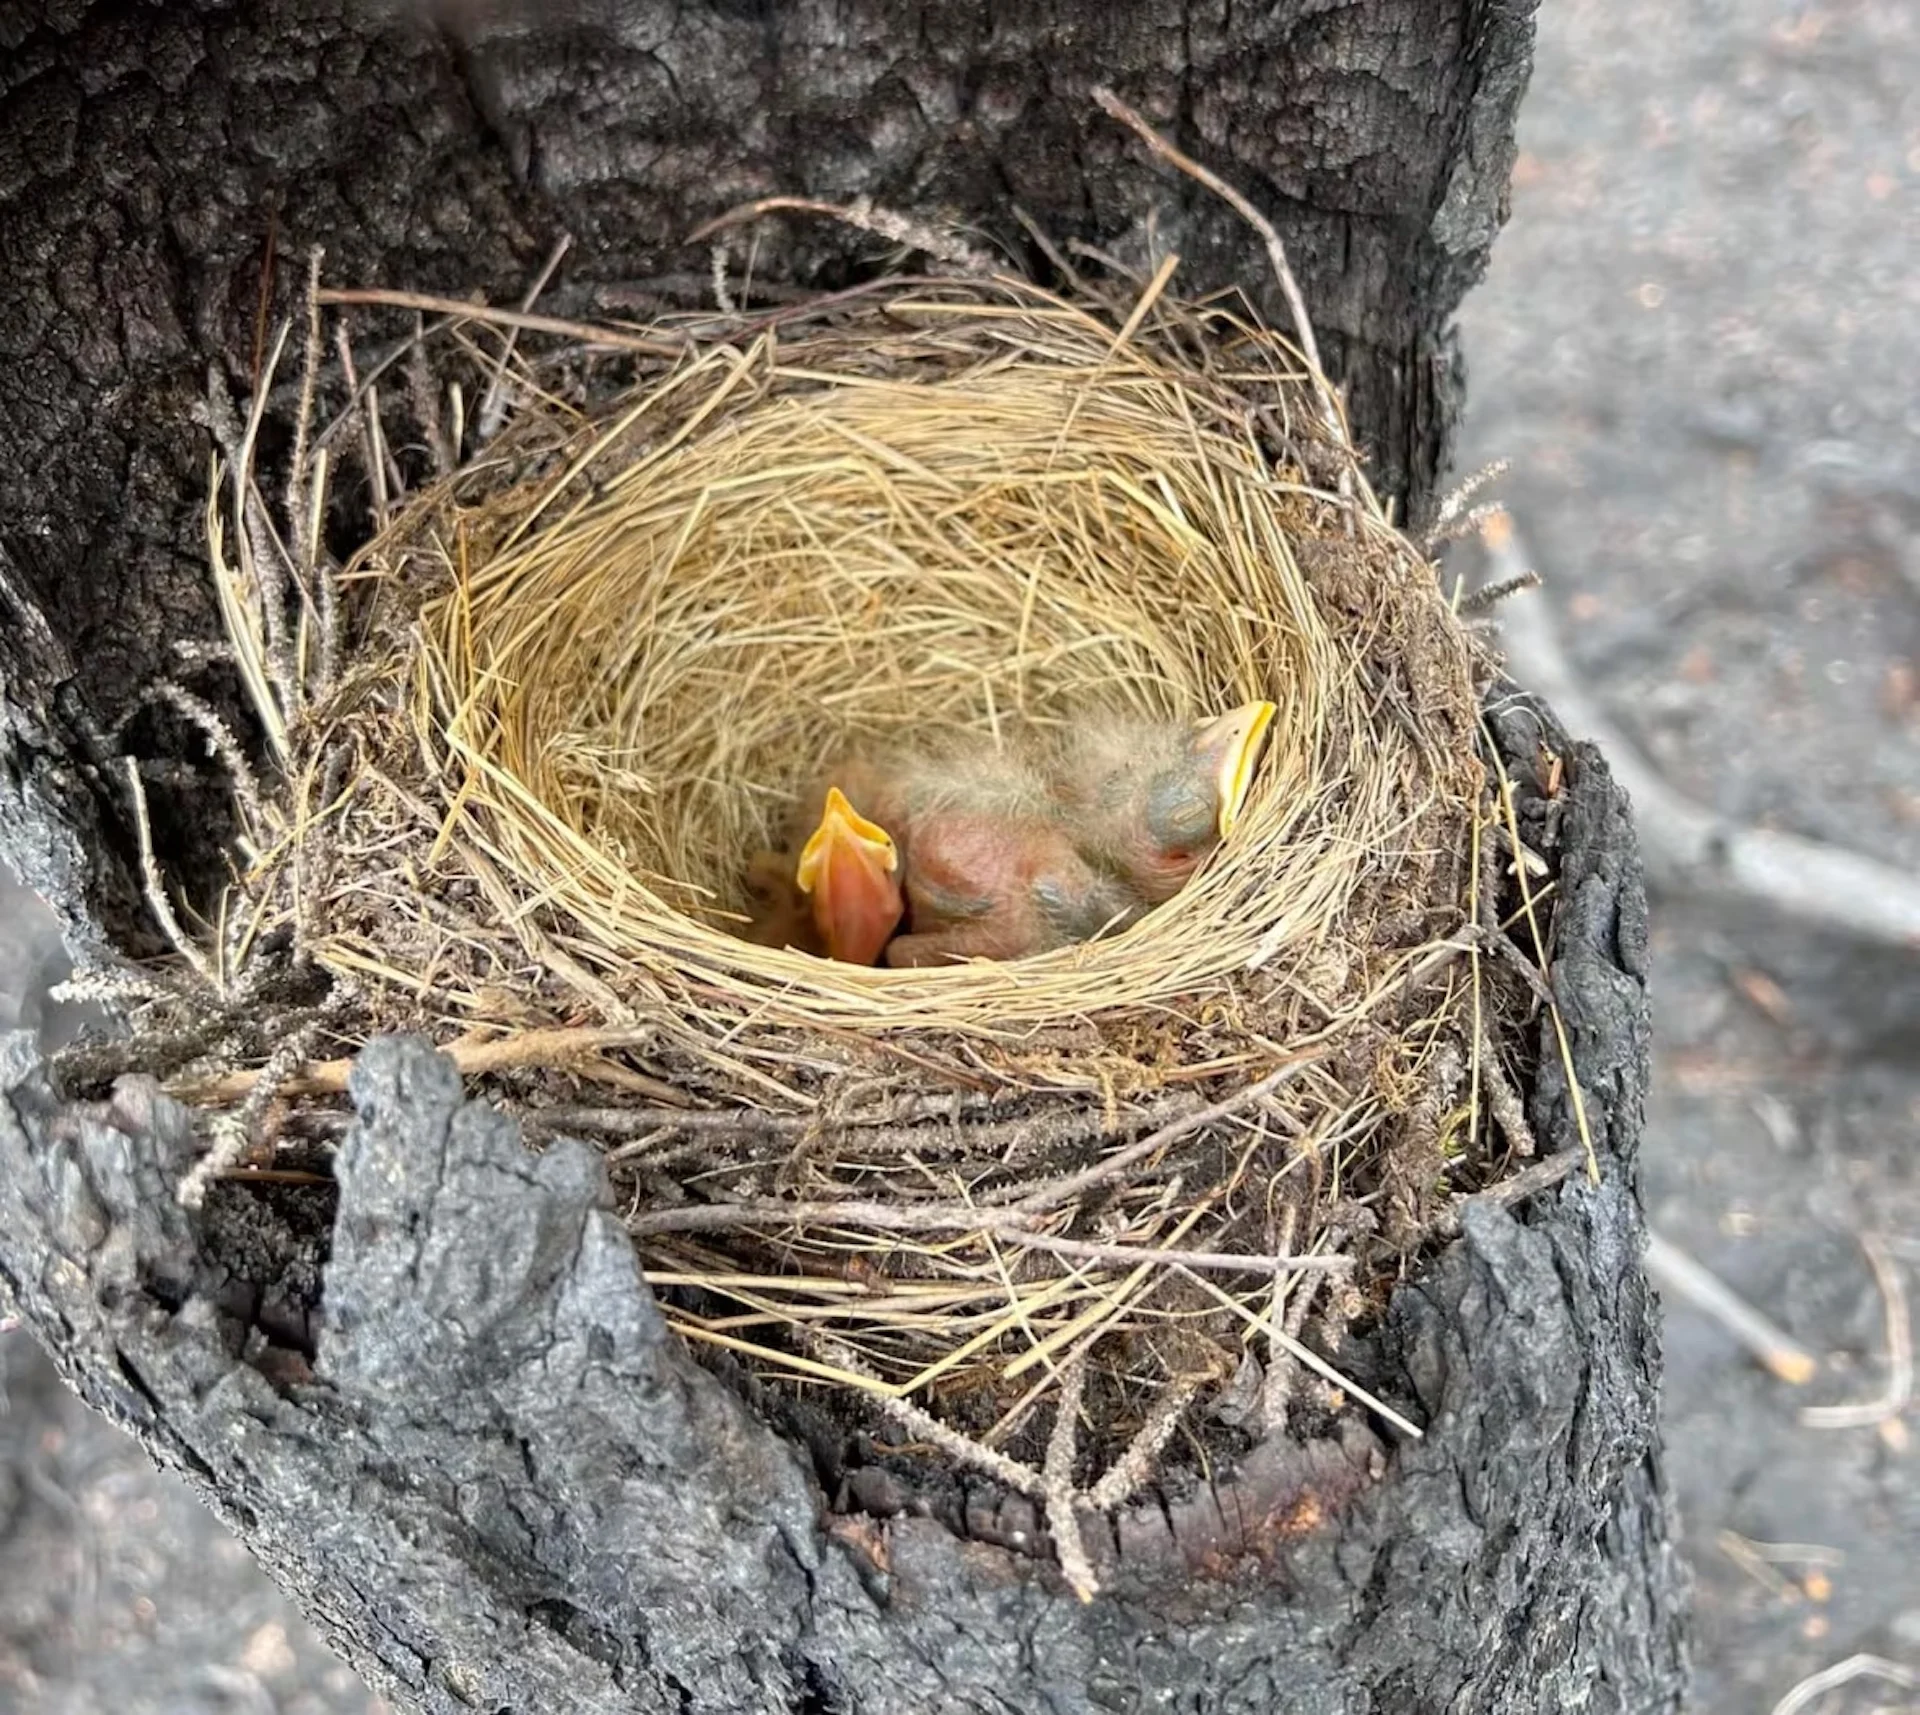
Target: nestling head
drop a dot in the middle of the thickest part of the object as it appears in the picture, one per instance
(850, 870)
(1193, 799)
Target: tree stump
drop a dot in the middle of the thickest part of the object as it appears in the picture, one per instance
(487, 1469)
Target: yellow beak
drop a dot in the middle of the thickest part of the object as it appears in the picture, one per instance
(1236, 738)
(849, 866)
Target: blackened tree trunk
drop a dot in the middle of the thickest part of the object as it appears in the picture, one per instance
(508, 1488)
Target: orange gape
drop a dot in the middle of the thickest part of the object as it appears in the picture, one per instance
(850, 870)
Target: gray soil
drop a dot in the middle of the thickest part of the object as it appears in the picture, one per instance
(1699, 346)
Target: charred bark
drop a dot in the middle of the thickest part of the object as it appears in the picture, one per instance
(492, 1475)
(500, 1483)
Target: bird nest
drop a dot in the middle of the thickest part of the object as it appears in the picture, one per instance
(527, 737)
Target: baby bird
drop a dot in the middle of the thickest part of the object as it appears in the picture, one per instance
(833, 891)
(987, 867)
(849, 869)
(1147, 801)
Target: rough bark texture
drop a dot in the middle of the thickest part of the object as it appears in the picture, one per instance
(493, 1476)
(151, 156)
(501, 1484)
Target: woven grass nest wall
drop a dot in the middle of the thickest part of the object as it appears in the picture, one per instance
(1059, 1216)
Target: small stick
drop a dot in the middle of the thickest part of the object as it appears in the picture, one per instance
(221, 740)
(1276, 251)
(1675, 1272)
(486, 422)
(1898, 1393)
(1504, 1100)
(1022, 1479)
(231, 1136)
(1541, 1176)
(465, 310)
(297, 471)
(864, 214)
(557, 1047)
(1312, 1359)
(1058, 1493)
(1135, 1466)
(155, 887)
(1862, 1666)
(1114, 1165)
(1013, 1225)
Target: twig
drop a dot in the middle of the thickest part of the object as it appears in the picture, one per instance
(297, 471)
(1276, 1388)
(231, 1135)
(1841, 1673)
(222, 741)
(1677, 1273)
(1215, 1262)
(155, 887)
(864, 214)
(588, 333)
(1134, 1467)
(557, 1047)
(1687, 847)
(1504, 1100)
(1276, 251)
(1022, 1479)
(1058, 1492)
(1543, 1175)
(1898, 1393)
(1489, 596)
(1112, 1166)
(486, 423)
(1012, 1225)
(1312, 1359)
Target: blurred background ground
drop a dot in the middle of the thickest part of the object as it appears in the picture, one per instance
(1699, 345)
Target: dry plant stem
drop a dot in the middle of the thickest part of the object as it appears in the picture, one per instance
(155, 887)
(1454, 503)
(1058, 1493)
(492, 411)
(1276, 251)
(1022, 1479)
(458, 309)
(864, 214)
(1114, 1165)
(532, 1048)
(1496, 940)
(298, 472)
(230, 1139)
(224, 744)
(1677, 1274)
(1135, 1467)
(1504, 1101)
(1898, 1393)
(1542, 1175)
(1489, 596)
(956, 1218)
(1817, 1685)
(1312, 1359)
(233, 1133)
(1687, 847)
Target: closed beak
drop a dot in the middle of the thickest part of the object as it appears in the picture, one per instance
(1233, 742)
(850, 868)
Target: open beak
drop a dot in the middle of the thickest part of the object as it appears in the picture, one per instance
(1234, 741)
(850, 868)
